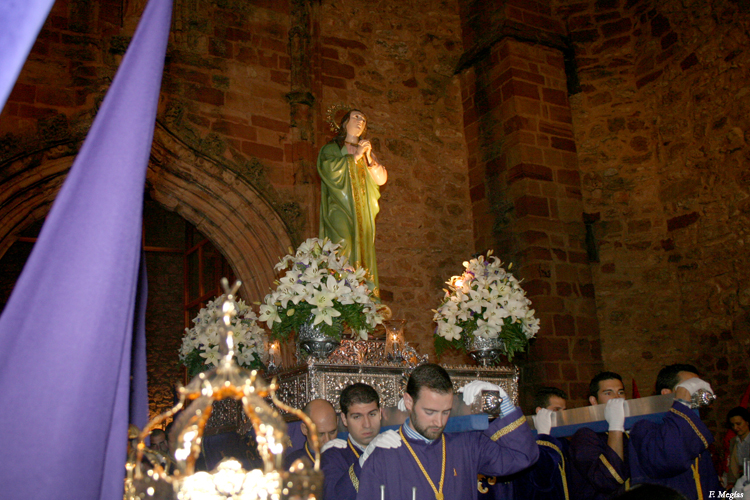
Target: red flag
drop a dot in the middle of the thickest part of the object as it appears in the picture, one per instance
(636, 393)
(745, 397)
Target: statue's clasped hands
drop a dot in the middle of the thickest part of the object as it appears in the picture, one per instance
(363, 148)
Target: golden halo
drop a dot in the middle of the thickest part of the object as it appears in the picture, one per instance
(333, 112)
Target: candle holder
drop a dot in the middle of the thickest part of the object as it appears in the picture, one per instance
(274, 356)
(228, 481)
(394, 339)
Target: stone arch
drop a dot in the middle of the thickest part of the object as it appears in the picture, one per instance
(29, 188)
(220, 203)
(223, 206)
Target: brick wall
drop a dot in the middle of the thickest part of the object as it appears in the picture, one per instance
(395, 61)
(228, 139)
(525, 188)
(165, 309)
(650, 155)
(661, 126)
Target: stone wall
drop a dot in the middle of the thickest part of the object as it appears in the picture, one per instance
(525, 185)
(241, 117)
(395, 61)
(661, 127)
(165, 316)
(623, 201)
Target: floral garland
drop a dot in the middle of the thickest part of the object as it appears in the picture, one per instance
(320, 283)
(485, 301)
(200, 345)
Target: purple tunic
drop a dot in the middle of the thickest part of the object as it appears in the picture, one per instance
(546, 479)
(341, 472)
(506, 447)
(305, 454)
(674, 453)
(595, 472)
(494, 488)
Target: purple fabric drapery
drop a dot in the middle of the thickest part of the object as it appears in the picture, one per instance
(138, 385)
(20, 22)
(66, 333)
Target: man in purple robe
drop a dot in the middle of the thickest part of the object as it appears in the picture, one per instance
(360, 414)
(675, 452)
(547, 478)
(599, 461)
(438, 465)
(323, 415)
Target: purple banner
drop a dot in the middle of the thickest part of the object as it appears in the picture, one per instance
(20, 23)
(66, 334)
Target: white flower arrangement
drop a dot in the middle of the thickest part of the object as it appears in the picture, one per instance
(320, 283)
(485, 301)
(200, 345)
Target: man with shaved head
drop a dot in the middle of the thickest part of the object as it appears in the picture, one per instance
(324, 417)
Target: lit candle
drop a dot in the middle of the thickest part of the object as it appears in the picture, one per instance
(274, 354)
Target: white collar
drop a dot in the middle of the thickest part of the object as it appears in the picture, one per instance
(356, 444)
(412, 433)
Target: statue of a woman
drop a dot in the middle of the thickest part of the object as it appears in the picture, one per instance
(350, 191)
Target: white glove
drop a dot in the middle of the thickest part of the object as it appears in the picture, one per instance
(614, 414)
(401, 405)
(334, 443)
(741, 488)
(472, 389)
(693, 384)
(387, 439)
(543, 421)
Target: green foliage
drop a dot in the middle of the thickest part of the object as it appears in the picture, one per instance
(488, 302)
(514, 338)
(442, 345)
(511, 334)
(352, 316)
(319, 285)
(195, 364)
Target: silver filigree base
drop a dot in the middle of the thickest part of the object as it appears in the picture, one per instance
(312, 340)
(484, 351)
(303, 383)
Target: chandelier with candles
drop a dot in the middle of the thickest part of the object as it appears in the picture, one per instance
(228, 480)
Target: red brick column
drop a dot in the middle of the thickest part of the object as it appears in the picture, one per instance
(526, 200)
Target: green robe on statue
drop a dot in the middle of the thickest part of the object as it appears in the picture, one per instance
(348, 206)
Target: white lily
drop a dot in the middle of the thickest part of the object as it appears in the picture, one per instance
(324, 314)
(481, 299)
(211, 355)
(449, 331)
(269, 315)
(318, 275)
(322, 298)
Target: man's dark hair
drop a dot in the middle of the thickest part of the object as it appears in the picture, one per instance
(600, 377)
(156, 432)
(667, 377)
(431, 376)
(541, 398)
(738, 411)
(355, 394)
